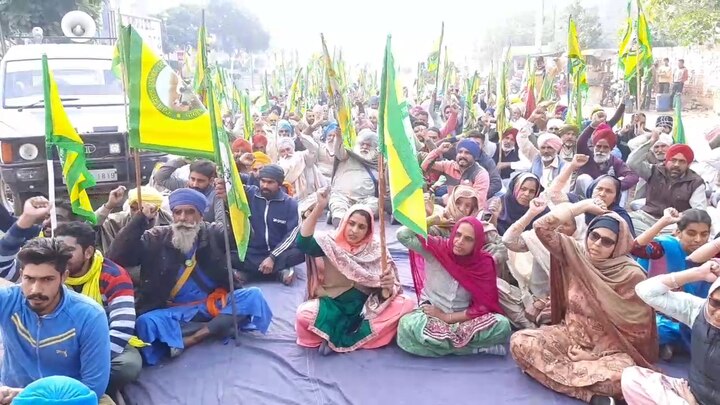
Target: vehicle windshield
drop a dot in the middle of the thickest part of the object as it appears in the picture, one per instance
(90, 81)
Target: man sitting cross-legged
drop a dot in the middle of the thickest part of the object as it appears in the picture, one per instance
(109, 285)
(47, 328)
(184, 294)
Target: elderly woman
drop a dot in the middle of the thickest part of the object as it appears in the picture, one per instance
(515, 202)
(530, 260)
(600, 325)
(463, 202)
(355, 300)
(460, 311)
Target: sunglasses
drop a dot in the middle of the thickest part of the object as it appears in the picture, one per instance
(604, 240)
(553, 129)
(714, 303)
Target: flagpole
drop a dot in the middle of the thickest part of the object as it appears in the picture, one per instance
(381, 214)
(214, 129)
(437, 71)
(568, 80)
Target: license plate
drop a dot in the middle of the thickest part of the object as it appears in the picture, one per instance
(102, 175)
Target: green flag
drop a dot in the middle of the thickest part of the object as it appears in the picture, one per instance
(397, 146)
(678, 128)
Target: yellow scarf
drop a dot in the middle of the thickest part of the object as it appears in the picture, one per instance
(90, 283)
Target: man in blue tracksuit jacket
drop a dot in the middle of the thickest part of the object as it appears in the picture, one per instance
(275, 224)
(47, 329)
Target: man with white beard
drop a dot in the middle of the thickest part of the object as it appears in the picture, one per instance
(355, 177)
(604, 162)
(184, 296)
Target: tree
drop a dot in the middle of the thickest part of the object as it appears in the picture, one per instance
(232, 27)
(587, 20)
(690, 22)
(18, 17)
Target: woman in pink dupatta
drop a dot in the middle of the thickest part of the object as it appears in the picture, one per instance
(460, 311)
(352, 303)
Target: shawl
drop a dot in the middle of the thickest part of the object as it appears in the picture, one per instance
(360, 263)
(609, 286)
(451, 213)
(512, 211)
(90, 281)
(615, 207)
(476, 272)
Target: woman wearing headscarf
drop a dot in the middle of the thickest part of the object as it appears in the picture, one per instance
(516, 200)
(460, 310)
(702, 316)
(463, 202)
(607, 189)
(353, 302)
(599, 324)
(530, 261)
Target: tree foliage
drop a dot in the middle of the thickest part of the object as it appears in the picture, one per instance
(233, 28)
(18, 17)
(590, 31)
(689, 22)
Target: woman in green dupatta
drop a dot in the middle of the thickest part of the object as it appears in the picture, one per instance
(352, 303)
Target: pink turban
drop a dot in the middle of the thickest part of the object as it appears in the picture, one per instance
(604, 131)
(550, 139)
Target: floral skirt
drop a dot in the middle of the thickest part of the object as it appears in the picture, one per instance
(427, 336)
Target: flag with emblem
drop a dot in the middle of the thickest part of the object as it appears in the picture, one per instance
(578, 77)
(60, 133)
(433, 60)
(396, 140)
(200, 62)
(165, 114)
(335, 93)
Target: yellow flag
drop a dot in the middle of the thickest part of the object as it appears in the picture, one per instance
(165, 114)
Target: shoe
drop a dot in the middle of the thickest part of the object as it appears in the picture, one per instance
(495, 350)
(174, 352)
(325, 349)
(601, 400)
(287, 276)
(666, 352)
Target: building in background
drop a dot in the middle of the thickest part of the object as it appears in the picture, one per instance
(150, 28)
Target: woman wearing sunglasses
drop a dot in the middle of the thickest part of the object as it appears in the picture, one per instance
(599, 325)
(644, 386)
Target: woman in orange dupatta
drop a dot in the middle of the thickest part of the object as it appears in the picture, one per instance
(352, 304)
(600, 325)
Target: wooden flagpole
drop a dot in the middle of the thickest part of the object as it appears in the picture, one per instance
(381, 214)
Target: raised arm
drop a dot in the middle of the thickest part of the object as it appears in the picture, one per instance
(24, 229)
(705, 252)
(431, 162)
(558, 185)
(312, 149)
(513, 239)
(546, 226)
(638, 158)
(617, 116)
(307, 229)
(526, 147)
(584, 139)
(409, 239)
(164, 176)
(657, 292)
(670, 216)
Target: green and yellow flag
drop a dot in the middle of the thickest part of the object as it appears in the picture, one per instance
(644, 38)
(578, 75)
(200, 64)
(472, 89)
(71, 148)
(295, 94)
(433, 60)
(678, 131)
(165, 115)
(238, 206)
(397, 146)
(502, 96)
(335, 93)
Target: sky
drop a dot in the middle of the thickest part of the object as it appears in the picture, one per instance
(360, 28)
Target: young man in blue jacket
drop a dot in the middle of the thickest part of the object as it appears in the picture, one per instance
(47, 329)
(274, 219)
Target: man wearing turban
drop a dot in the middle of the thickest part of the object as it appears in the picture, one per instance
(669, 184)
(300, 165)
(185, 296)
(355, 177)
(545, 163)
(603, 162)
